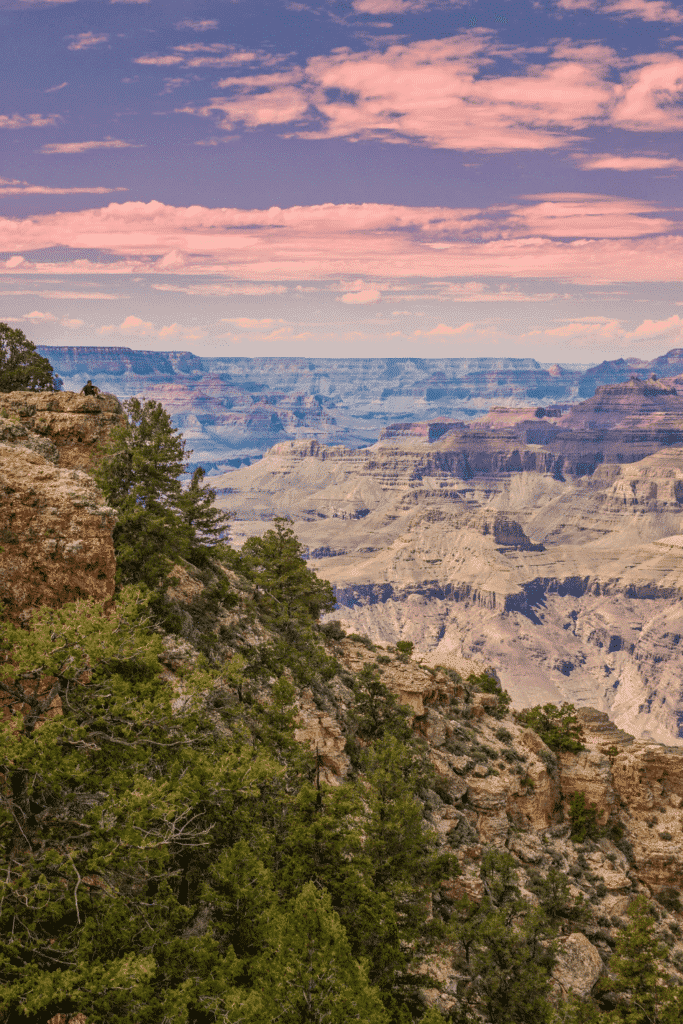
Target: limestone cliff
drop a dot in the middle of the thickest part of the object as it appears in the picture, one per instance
(55, 527)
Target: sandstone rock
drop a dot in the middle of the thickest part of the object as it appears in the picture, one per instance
(74, 423)
(588, 772)
(322, 734)
(578, 966)
(528, 848)
(489, 793)
(56, 535)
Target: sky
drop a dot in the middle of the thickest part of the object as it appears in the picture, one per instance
(427, 178)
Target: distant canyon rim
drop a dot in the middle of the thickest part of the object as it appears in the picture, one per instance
(496, 513)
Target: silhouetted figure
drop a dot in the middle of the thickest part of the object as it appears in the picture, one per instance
(90, 389)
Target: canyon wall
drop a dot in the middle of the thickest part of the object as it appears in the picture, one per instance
(479, 545)
(55, 527)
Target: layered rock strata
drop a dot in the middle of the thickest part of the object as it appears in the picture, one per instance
(571, 586)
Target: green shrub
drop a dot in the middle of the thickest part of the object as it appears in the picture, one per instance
(583, 818)
(333, 630)
(558, 727)
(486, 683)
(364, 640)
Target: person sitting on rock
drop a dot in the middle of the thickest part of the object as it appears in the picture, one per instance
(90, 389)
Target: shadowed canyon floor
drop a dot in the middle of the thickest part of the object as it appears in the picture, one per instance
(478, 545)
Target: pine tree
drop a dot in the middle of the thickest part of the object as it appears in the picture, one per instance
(140, 474)
(309, 973)
(206, 524)
(289, 594)
(21, 367)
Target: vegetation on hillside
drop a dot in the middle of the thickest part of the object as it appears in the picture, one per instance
(168, 849)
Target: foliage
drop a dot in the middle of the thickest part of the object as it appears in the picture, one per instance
(558, 727)
(583, 818)
(637, 973)
(168, 854)
(506, 948)
(22, 368)
(486, 683)
(376, 711)
(308, 972)
(288, 600)
(556, 901)
(139, 473)
(405, 649)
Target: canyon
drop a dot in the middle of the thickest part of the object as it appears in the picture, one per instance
(549, 549)
(565, 582)
(233, 409)
(493, 512)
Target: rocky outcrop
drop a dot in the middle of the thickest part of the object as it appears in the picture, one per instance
(74, 424)
(55, 527)
(56, 534)
(497, 785)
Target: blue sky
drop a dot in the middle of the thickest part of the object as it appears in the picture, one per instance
(344, 177)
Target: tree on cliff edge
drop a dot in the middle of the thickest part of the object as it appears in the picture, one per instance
(139, 472)
(21, 367)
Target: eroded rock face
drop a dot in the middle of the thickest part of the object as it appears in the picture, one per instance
(56, 534)
(74, 424)
(572, 588)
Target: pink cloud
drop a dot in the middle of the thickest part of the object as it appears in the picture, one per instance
(444, 330)
(442, 93)
(646, 10)
(84, 40)
(134, 326)
(197, 26)
(614, 240)
(609, 161)
(361, 298)
(426, 92)
(28, 120)
(647, 97)
(565, 215)
(16, 187)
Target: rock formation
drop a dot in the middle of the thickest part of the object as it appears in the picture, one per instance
(565, 571)
(75, 424)
(56, 529)
(498, 785)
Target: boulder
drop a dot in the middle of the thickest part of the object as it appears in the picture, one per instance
(578, 965)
